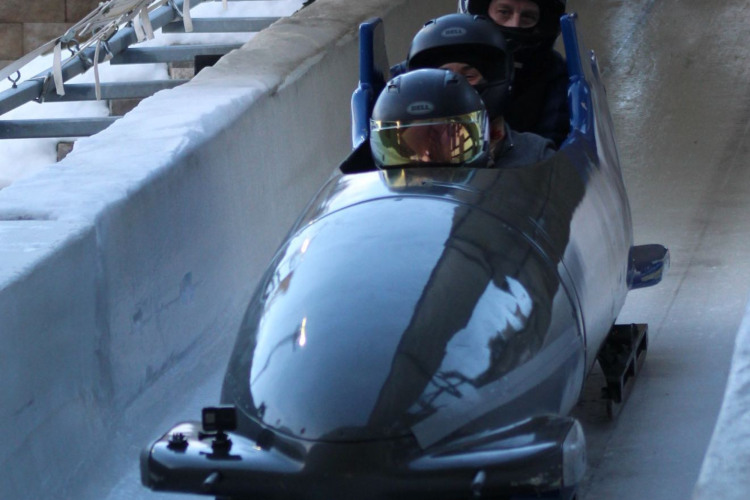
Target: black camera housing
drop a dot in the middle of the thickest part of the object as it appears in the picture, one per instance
(219, 419)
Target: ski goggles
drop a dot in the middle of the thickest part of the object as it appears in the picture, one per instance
(451, 141)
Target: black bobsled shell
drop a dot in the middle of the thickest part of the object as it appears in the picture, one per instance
(405, 314)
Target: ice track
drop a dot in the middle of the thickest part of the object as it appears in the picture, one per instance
(678, 76)
(679, 86)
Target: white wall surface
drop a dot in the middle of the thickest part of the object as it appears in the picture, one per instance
(144, 245)
(726, 469)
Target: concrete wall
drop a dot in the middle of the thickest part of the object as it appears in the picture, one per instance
(27, 24)
(726, 469)
(146, 242)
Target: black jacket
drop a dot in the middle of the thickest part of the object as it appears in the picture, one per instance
(540, 99)
(518, 150)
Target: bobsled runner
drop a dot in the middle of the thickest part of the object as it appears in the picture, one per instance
(425, 333)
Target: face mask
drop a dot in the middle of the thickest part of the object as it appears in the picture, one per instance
(496, 98)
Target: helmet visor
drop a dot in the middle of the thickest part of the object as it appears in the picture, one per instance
(455, 140)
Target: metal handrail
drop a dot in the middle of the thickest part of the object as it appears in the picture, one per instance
(35, 88)
(168, 15)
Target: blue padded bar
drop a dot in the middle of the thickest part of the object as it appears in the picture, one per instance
(373, 74)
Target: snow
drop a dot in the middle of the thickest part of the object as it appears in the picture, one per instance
(278, 8)
(22, 158)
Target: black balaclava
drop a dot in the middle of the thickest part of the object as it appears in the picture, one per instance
(531, 47)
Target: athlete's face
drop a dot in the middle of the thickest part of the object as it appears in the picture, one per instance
(433, 143)
(514, 13)
(472, 75)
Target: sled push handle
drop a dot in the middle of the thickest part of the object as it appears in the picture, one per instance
(374, 72)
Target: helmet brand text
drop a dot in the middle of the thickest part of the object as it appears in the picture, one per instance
(453, 32)
(420, 108)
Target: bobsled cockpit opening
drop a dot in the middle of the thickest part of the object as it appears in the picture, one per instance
(399, 179)
(360, 160)
(584, 85)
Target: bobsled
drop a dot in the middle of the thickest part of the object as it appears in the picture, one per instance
(425, 333)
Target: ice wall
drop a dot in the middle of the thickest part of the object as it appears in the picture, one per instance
(146, 242)
(726, 469)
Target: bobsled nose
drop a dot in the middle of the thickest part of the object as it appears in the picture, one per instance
(377, 317)
(539, 458)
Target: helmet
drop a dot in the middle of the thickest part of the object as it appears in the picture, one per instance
(541, 36)
(473, 40)
(429, 118)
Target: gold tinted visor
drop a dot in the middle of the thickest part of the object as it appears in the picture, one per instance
(454, 140)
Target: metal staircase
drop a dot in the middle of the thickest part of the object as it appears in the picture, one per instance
(114, 43)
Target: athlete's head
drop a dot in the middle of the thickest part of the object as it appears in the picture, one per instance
(472, 46)
(529, 24)
(429, 118)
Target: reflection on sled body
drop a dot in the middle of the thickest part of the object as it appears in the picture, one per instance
(425, 333)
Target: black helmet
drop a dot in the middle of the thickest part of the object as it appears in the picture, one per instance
(473, 40)
(429, 117)
(541, 36)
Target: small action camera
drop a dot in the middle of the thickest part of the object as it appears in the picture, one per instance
(219, 419)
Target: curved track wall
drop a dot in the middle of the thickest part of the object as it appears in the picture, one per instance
(726, 469)
(146, 242)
